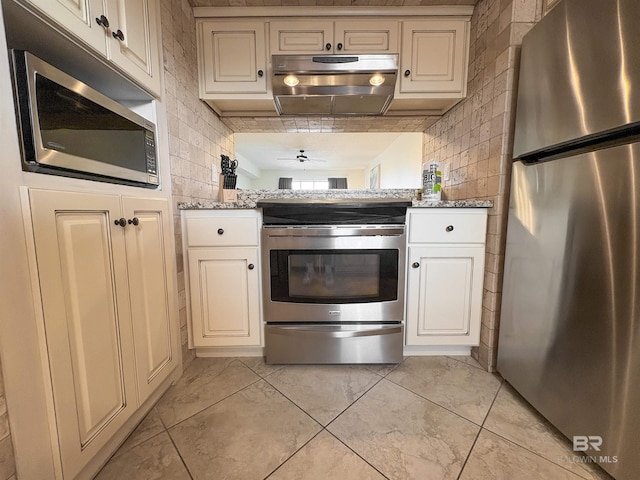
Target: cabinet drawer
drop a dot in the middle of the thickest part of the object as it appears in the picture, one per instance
(222, 231)
(447, 226)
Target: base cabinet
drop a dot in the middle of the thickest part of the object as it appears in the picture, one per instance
(108, 309)
(223, 307)
(445, 276)
(223, 269)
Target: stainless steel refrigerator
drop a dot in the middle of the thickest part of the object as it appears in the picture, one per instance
(570, 318)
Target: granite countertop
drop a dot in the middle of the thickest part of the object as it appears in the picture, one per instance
(247, 199)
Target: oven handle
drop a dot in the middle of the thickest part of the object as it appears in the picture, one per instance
(332, 231)
(333, 332)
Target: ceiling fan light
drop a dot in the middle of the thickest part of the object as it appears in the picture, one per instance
(376, 79)
(291, 80)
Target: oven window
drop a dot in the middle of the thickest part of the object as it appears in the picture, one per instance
(334, 276)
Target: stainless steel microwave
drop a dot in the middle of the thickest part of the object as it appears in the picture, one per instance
(68, 128)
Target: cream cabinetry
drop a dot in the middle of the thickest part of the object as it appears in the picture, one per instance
(445, 273)
(108, 308)
(223, 270)
(434, 56)
(125, 32)
(303, 36)
(232, 57)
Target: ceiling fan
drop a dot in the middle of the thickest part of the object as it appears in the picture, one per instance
(302, 158)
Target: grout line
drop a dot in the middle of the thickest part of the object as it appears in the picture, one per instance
(479, 367)
(358, 455)
(180, 455)
(495, 397)
(473, 445)
(354, 402)
(294, 453)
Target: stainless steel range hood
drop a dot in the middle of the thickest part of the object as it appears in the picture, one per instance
(334, 84)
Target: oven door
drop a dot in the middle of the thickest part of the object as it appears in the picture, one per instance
(334, 273)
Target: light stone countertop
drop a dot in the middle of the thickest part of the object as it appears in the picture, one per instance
(247, 199)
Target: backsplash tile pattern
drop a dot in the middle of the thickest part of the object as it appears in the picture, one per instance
(319, 124)
(197, 137)
(474, 140)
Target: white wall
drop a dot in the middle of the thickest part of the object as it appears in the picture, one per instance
(269, 178)
(400, 163)
(247, 172)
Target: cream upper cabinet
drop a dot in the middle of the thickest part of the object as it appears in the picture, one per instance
(232, 57)
(294, 36)
(433, 57)
(445, 276)
(125, 32)
(223, 272)
(135, 40)
(108, 298)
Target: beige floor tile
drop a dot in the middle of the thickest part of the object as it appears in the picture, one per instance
(382, 369)
(494, 458)
(151, 425)
(258, 365)
(204, 382)
(323, 391)
(468, 360)
(244, 437)
(325, 458)
(463, 389)
(513, 418)
(154, 459)
(405, 436)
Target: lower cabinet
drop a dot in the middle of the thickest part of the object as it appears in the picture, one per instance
(223, 271)
(445, 276)
(106, 280)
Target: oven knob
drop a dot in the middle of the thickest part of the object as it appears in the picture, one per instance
(415, 265)
(449, 228)
(220, 231)
(251, 266)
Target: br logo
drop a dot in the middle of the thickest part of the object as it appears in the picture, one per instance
(582, 443)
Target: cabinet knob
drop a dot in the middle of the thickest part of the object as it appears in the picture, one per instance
(260, 73)
(251, 266)
(134, 221)
(118, 35)
(121, 222)
(449, 228)
(415, 265)
(102, 21)
(407, 73)
(220, 231)
(328, 46)
(339, 46)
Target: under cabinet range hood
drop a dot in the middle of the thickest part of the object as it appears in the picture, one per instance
(334, 84)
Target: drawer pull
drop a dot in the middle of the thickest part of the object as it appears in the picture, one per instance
(102, 21)
(121, 221)
(251, 266)
(449, 228)
(415, 265)
(134, 221)
(220, 231)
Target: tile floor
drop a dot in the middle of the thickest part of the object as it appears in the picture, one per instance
(427, 418)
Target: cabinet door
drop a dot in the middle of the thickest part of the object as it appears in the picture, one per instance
(434, 56)
(135, 46)
(77, 17)
(366, 36)
(225, 296)
(152, 290)
(82, 272)
(301, 36)
(232, 57)
(444, 295)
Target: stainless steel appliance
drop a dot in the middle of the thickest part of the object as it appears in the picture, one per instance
(334, 84)
(67, 128)
(333, 280)
(570, 322)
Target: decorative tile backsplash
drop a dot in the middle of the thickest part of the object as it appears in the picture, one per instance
(474, 140)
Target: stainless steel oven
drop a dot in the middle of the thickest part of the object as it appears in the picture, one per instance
(334, 289)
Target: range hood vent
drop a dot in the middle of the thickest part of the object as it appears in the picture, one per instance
(334, 84)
